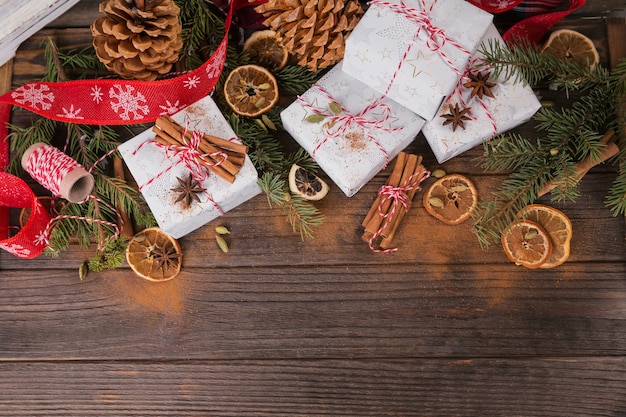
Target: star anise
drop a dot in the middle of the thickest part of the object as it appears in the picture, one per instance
(456, 117)
(480, 85)
(164, 257)
(188, 190)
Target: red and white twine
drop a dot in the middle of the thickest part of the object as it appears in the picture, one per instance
(436, 36)
(399, 200)
(338, 124)
(49, 166)
(191, 157)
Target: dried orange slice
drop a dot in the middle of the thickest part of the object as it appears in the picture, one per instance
(154, 255)
(558, 226)
(572, 46)
(452, 199)
(306, 184)
(265, 49)
(526, 243)
(251, 90)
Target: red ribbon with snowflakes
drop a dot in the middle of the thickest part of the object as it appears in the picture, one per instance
(99, 102)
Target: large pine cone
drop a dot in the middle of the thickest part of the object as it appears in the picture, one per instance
(312, 30)
(138, 39)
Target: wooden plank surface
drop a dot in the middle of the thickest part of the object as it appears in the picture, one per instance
(324, 327)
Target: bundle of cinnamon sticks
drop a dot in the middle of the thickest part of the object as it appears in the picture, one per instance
(169, 132)
(407, 173)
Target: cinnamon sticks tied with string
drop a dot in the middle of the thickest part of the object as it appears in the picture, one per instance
(408, 172)
(169, 132)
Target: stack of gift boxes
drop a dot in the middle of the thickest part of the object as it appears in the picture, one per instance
(405, 65)
(404, 70)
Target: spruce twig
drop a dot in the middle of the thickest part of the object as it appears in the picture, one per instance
(567, 135)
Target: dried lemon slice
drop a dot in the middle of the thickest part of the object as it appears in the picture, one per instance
(251, 90)
(154, 255)
(306, 184)
(572, 46)
(265, 49)
(557, 225)
(452, 199)
(526, 243)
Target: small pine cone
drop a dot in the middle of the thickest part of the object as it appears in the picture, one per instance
(138, 39)
(312, 30)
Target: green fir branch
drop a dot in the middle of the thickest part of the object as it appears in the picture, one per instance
(525, 63)
(295, 80)
(202, 31)
(301, 215)
(566, 135)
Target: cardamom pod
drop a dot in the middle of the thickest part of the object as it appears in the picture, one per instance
(439, 173)
(83, 270)
(267, 122)
(531, 234)
(436, 202)
(221, 243)
(222, 230)
(459, 188)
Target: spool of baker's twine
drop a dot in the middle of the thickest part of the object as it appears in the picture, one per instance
(58, 172)
(66, 178)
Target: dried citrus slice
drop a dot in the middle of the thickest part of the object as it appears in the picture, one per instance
(265, 49)
(558, 226)
(526, 243)
(572, 46)
(154, 255)
(306, 184)
(251, 90)
(452, 199)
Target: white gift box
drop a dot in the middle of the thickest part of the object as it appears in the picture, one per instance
(398, 55)
(156, 174)
(352, 143)
(514, 103)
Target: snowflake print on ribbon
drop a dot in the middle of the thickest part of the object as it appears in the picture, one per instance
(71, 113)
(170, 108)
(96, 94)
(214, 68)
(41, 239)
(38, 96)
(17, 250)
(128, 102)
(192, 82)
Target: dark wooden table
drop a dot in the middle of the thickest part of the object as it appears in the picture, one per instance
(324, 327)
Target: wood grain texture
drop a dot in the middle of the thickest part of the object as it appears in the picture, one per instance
(546, 387)
(324, 327)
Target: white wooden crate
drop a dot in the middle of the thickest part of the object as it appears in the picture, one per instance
(19, 19)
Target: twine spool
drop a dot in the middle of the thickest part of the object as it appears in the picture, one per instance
(57, 172)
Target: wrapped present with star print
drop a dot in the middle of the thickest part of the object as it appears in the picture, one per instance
(350, 130)
(414, 51)
(480, 107)
(191, 168)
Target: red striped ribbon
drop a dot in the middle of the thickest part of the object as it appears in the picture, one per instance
(99, 102)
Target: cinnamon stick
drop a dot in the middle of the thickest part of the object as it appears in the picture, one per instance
(164, 139)
(373, 219)
(169, 125)
(409, 168)
(419, 173)
(583, 166)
